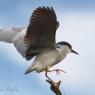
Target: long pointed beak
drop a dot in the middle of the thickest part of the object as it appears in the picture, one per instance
(74, 52)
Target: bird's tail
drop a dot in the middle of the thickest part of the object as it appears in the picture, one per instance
(30, 69)
(7, 34)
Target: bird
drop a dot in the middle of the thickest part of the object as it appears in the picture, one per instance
(38, 41)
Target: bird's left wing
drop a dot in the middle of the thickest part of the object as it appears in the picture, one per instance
(8, 34)
(14, 35)
(42, 29)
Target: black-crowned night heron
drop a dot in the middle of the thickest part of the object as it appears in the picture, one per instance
(38, 40)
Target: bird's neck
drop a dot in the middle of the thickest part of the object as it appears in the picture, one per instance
(63, 52)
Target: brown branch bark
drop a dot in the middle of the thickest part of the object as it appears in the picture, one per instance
(54, 86)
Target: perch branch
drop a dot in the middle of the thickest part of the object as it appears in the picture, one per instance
(54, 86)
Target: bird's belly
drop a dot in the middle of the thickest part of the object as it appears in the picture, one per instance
(43, 64)
(45, 61)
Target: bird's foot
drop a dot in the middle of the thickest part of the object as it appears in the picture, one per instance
(57, 71)
(46, 74)
(54, 86)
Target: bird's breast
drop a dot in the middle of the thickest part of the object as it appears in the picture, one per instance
(47, 59)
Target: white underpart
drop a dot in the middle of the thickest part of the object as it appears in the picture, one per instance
(16, 36)
(48, 59)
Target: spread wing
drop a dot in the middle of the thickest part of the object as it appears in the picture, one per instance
(8, 34)
(42, 29)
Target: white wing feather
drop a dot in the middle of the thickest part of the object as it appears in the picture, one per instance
(19, 43)
(15, 35)
(7, 34)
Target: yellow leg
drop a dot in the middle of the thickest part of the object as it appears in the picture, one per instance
(46, 71)
(57, 71)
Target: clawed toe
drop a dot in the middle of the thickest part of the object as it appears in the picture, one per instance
(57, 71)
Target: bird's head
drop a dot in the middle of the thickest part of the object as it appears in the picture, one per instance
(66, 47)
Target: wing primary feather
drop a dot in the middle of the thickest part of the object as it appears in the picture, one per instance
(42, 28)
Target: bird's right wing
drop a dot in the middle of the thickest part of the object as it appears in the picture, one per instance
(42, 28)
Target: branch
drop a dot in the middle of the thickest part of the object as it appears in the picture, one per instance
(55, 87)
